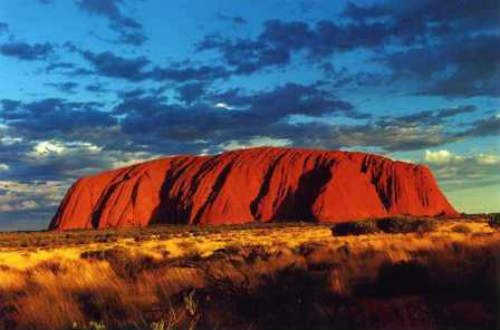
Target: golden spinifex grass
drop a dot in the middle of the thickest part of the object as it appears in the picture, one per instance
(252, 277)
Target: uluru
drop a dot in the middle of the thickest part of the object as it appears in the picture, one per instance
(260, 184)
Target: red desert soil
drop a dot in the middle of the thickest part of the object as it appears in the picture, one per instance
(260, 184)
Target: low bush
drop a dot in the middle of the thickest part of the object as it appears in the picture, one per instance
(393, 225)
(307, 248)
(123, 263)
(354, 228)
(402, 278)
(494, 220)
(463, 229)
(256, 253)
(397, 225)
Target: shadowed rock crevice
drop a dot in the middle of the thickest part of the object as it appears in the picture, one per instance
(297, 205)
(171, 208)
(264, 188)
(219, 182)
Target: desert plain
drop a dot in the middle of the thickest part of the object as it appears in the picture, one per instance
(389, 273)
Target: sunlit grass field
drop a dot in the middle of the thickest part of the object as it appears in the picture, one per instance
(404, 273)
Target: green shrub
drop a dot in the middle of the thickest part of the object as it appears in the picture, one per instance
(363, 227)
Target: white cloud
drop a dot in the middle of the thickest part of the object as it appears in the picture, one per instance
(36, 188)
(19, 205)
(4, 167)
(459, 171)
(90, 147)
(45, 148)
(223, 106)
(57, 148)
(204, 152)
(131, 158)
(9, 140)
(441, 157)
(255, 142)
(17, 196)
(29, 204)
(485, 159)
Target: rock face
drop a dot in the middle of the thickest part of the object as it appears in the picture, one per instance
(260, 184)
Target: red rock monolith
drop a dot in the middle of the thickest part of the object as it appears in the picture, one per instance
(260, 184)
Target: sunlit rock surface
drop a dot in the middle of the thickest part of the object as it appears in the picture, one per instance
(260, 184)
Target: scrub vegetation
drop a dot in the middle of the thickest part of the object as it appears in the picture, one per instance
(396, 273)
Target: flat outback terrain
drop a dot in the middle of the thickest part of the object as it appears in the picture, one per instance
(389, 273)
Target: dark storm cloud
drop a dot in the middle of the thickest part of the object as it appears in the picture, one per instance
(464, 67)
(25, 51)
(401, 133)
(59, 65)
(340, 78)
(136, 69)
(173, 122)
(4, 27)
(455, 43)
(190, 93)
(96, 88)
(132, 38)
(233, 19)
(73, 162)
(9, 105)
(247, 56)
(325, 37)
(53, 116)
(358, 12)
(110, 65)
(483, 127)
(428, 16)
(109, 9)
(181, 74)
(275, 45)
(290, 99)
(218, 117)
(428, 117)
(12, 153)
(129, 29)
(459, 16)
(393, 138)
(134, 93)
(277, 42)
(450, 112)
(65, 87)
(396, 137)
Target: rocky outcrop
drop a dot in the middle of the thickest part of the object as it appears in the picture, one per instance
(260, 184)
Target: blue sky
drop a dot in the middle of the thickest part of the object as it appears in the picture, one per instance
(89, 85)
